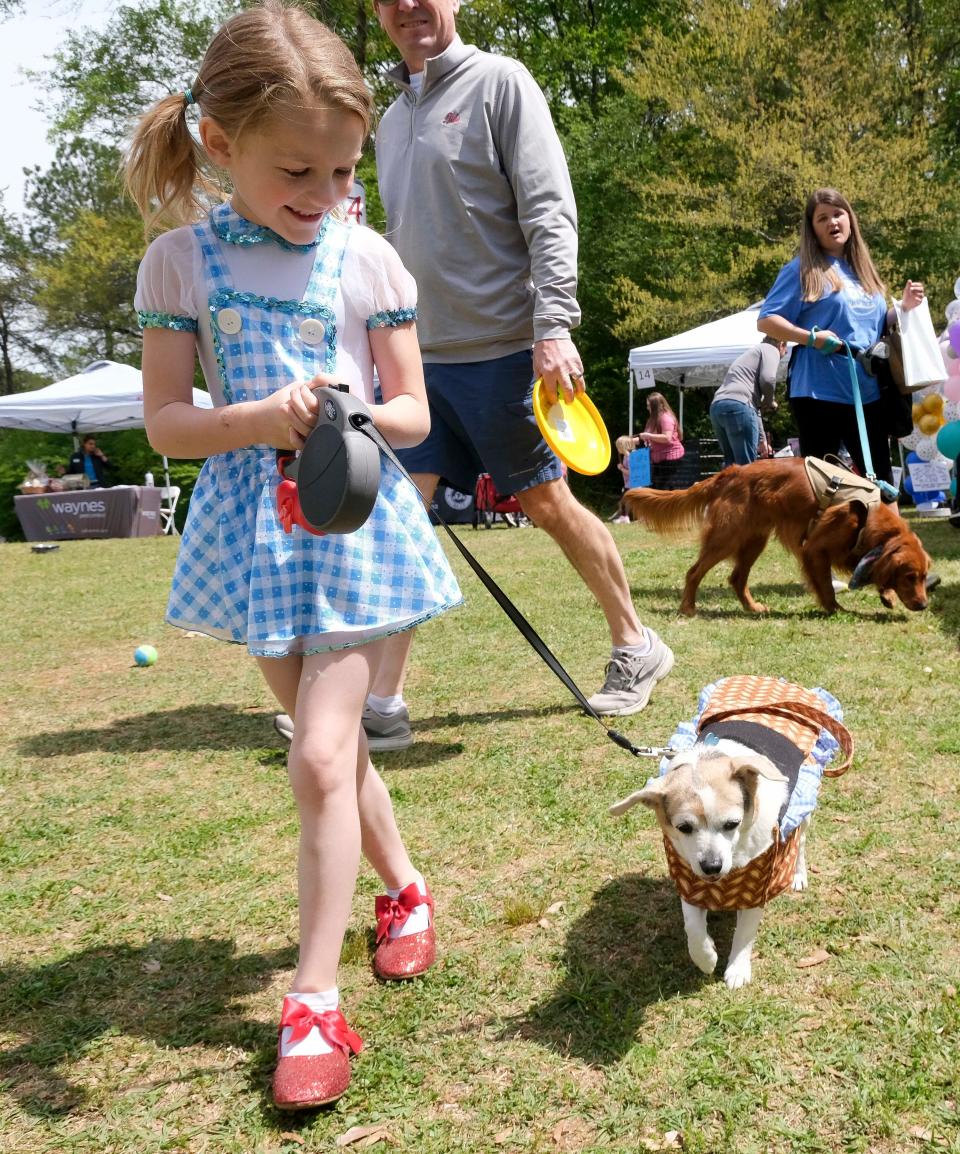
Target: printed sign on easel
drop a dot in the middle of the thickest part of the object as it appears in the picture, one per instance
(929, 476)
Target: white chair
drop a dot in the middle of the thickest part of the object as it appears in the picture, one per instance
(169, 496)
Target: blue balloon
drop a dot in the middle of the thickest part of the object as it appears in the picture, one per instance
(912, 458)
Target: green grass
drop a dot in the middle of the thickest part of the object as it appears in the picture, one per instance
(147, 872)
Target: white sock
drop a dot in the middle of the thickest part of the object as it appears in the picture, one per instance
(637, 650)
(419, 918)
(314, 1042)
(386, 705)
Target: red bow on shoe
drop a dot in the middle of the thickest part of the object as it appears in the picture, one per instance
(395, 911)
(331, 1023)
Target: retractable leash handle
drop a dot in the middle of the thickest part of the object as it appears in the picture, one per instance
(332, 486)
(339, 469)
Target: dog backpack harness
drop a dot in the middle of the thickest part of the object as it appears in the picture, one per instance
(787, 724)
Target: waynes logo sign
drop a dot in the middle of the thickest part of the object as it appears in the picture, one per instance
(71, 507)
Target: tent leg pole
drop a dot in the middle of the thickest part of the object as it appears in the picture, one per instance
(630, 406)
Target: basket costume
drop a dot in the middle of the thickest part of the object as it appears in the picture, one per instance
(239, 576)
(800, 730)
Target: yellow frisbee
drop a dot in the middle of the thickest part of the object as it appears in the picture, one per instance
(574, 430)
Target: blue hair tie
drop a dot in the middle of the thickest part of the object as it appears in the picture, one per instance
(188, 97)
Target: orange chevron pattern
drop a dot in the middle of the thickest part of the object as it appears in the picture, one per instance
(747, 888)
(795, 712)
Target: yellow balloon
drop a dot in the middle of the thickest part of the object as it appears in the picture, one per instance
(917, 411)
(933, 403)
(929, 424)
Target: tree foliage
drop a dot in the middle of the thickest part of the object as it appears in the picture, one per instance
(695, 130)
(691, 180)
(21, 343)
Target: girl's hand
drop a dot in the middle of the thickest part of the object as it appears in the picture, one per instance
(912, 294)
(290, 413)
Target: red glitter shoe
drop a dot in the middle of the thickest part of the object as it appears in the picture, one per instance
(303, 1081)
(407, 957)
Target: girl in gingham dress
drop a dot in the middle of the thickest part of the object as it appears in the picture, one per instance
(277, 296)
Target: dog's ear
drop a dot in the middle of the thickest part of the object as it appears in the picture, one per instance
(651, 795)
(746, 770)
(743, 767)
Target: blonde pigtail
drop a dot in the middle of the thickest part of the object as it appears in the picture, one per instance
(166, 168)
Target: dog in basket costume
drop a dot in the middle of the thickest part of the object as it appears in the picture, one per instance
(733, 801)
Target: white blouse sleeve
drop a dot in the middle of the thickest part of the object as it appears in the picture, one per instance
(165, 284)
(375, 282)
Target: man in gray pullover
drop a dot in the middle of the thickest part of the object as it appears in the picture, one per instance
(480, 208)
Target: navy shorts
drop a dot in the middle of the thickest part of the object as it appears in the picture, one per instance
(481, 421)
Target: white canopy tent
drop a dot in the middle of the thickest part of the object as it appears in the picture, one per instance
(695, 359)
(105, 397)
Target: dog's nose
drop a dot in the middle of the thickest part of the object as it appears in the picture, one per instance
(711, 865)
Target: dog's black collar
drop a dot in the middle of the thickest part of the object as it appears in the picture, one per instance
(786, 756)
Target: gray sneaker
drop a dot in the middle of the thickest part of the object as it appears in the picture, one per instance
(630, 680)
(387, 731)
(384, 731)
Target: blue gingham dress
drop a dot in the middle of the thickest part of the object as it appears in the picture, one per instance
(239, 576)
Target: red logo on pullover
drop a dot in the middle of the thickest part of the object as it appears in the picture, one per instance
(452, 118)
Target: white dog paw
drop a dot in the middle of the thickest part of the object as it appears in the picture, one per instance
(738, 974)
(704, 955)
(800, 880)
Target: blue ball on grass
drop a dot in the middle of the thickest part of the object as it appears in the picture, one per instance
(145, 655)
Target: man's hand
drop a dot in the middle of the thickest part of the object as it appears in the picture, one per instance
(557, 363)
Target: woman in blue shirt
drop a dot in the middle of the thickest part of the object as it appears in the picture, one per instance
(832, 292)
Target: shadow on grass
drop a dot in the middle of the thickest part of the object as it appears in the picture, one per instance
(226, 727)
(566, 704)
(718, 603)
(66, 1008)
(191, 727)
(628, 952)
(945, 607)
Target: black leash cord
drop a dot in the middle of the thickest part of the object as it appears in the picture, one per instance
(365, 425)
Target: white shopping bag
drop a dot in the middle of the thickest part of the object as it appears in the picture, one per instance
(922, 360)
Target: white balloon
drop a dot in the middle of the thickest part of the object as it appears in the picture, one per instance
(952, 311)
(926, 448)
(911, 439)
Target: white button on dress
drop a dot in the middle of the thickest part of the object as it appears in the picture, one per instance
(229, 321)
(311, 331)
